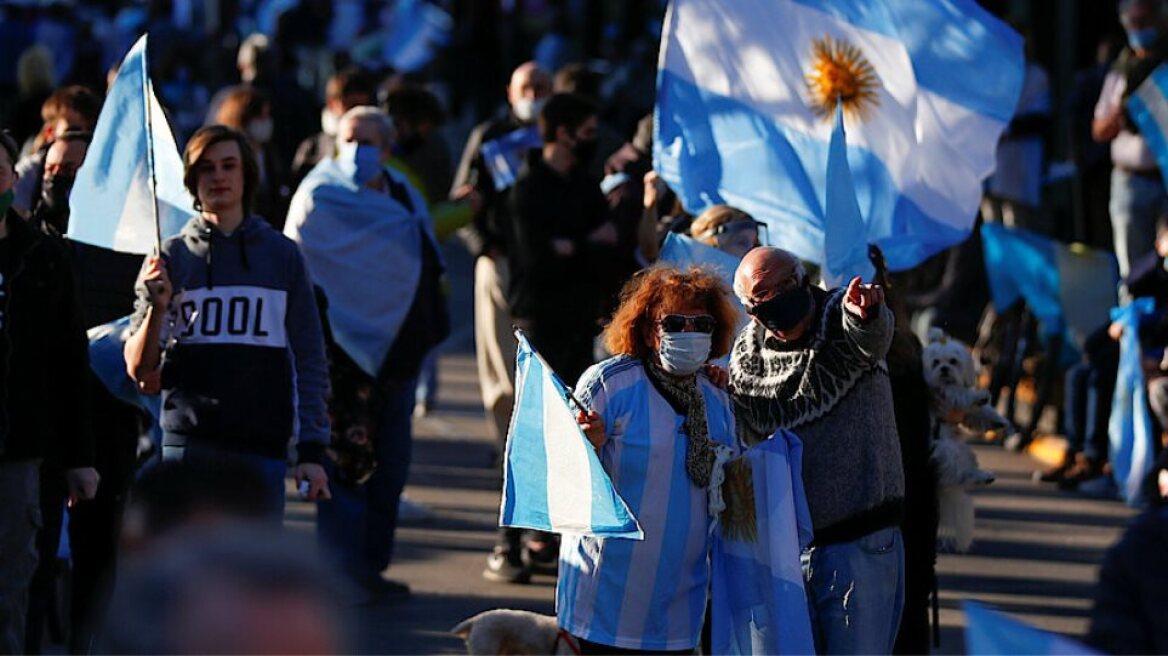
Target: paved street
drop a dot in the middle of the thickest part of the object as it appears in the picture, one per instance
(1036, 554)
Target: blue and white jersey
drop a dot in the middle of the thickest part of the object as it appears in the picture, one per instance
(648, 594)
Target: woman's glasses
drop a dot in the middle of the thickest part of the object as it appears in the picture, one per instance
(679, 323)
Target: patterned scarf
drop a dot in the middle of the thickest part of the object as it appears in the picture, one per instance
(686, 399)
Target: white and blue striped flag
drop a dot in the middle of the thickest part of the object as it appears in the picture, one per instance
(990, 633)
(552, 478)
(746, 92)
(112, 203)
(1148, 107)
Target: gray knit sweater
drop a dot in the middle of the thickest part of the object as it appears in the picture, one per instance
(831, 388)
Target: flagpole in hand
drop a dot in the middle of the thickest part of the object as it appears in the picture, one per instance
(147, 100)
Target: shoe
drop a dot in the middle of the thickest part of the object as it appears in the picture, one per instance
(503, 567)
(541, 557)
(1081, 470)
(1056, 474)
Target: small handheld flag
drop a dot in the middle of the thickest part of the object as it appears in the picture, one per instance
(129, 194)
(552, 479)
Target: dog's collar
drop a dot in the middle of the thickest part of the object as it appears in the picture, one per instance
(568, 639)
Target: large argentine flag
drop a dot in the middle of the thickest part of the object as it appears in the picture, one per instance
(552, 479)
(745, 95)
(112, 203)
(1148, 107)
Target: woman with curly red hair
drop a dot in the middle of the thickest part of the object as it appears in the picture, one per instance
(661, 429)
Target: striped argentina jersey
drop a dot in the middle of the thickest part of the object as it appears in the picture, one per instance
(647, 594)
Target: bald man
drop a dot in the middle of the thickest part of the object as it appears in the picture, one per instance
(812, 361)
(487, 240)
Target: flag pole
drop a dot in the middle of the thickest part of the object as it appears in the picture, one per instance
(147, 99)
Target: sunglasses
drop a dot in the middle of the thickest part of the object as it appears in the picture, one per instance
(678, 323)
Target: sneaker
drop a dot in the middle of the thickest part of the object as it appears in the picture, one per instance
(502, 567)
(1056, 474)
(541, 557)
(1081, 470)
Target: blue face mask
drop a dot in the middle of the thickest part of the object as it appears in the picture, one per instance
(1143, 39)
(361, 162)
(682, 354)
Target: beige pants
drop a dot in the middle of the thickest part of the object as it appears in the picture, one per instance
(494, 342)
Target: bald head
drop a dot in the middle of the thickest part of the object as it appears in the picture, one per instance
(529, 82)
(764, 272)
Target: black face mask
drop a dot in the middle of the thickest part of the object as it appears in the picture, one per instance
(55, 192)
(785, 310)
(584, 150)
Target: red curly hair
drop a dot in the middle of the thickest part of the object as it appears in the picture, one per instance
(664, 285)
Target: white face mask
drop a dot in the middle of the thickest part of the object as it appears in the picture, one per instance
(527, 109)
(260, 129)
(682, 354)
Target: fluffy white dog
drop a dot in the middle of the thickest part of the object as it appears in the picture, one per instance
(958, 409)
(505, 631)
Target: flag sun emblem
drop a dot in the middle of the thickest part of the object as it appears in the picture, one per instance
(840, 72)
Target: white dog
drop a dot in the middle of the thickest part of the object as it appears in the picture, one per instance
(505, 631)
(958, 409)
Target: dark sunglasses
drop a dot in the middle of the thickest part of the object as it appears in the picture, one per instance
(677, 323)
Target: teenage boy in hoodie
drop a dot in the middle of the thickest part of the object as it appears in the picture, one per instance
(225, 315)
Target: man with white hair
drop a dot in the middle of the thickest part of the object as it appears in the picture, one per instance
(1137, 188)
(369, 243)
(486, 239)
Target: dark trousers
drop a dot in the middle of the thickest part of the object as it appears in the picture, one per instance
(1090, 387)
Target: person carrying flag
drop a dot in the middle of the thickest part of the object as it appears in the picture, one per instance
(227, 315)
(661, 428)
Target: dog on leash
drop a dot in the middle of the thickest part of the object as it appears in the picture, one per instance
(958, 409)
(515, 632)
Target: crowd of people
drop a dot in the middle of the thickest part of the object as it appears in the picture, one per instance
(306, 298)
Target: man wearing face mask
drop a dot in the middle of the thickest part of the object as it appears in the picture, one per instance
(62, 159)
(559, 231)
(369, 243)
(812, 361)
(345, 90)
(485, 238)
(1137, 188)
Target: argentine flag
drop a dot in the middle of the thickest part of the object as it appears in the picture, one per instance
(745, 100)
(1130, 430)
(112, 203)
(989, 632)
(1148, 107)
(552, 479)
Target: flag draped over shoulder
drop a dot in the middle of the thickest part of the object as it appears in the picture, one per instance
(1130, 428)
(989, 633)
(1068, 287)
(745, 96)
(1148, 107)
(759, 603)
(552, 479)
(112, 203)
(364, 249)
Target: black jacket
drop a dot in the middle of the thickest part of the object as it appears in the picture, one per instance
(489, 229)
(546, 206)
(1131, 603)
(46, 364)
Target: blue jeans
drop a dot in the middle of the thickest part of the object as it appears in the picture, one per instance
(271, 470)
(356, 527)
(1136, 202)
(856, 593)
(1088, 409)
